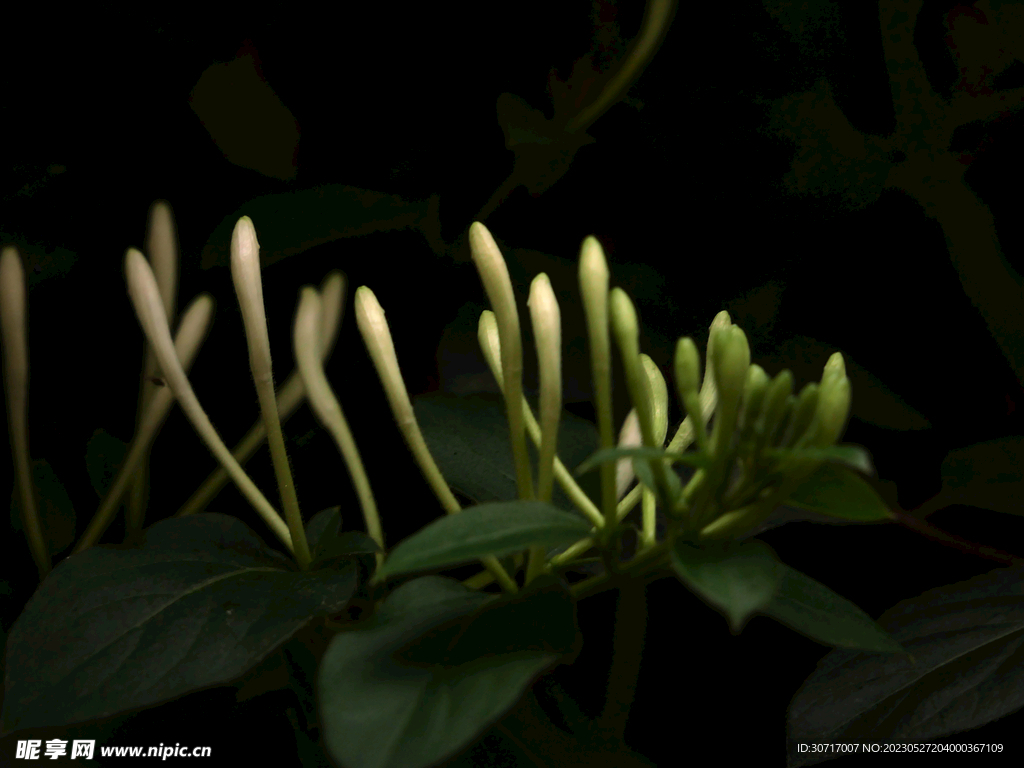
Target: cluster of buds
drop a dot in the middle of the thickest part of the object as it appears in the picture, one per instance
(757, 454)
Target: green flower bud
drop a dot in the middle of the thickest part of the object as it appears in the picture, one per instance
(833, 411)
(687, 368)
(776, 435)
(730, 362)
(773, 410)
(753, 398)
(658, 393)
(802, 415)
(834, 367)
(687, 372)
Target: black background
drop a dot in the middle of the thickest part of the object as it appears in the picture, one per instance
(682, 188)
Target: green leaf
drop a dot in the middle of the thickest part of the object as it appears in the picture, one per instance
(390, 698)
(989, 475)
(468, 438)
(499, 528)
(103, 455)
(292, 222)
(115, 628)
(852, 456)
(735, 578)
(56, 513)
(606, 455)
(966, 641)
(330, 546)
(814, 610)
(835, 491)
(543, 150)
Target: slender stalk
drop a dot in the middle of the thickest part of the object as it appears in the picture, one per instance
(289, 396)
(547, 333)
(327, 408)
(162, 247)
(657, 18)
(377, 337)
(191, 332)
(494, 275)
(628, 648)
(14, 327)
(245, 272)
(146, 299)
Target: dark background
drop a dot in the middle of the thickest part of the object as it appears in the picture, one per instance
(683, 189)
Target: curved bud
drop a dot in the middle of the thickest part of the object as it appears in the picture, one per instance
(833, 411)
(629, 437)
(753, 398)
(494, 275)
(688, 374)
(730, 362)
(773, 411)
(145, 296)
(490, 345)
(547, 334)
(802, 416)
(593, 278)
(834, 367)
(627, 336)
(658, 392)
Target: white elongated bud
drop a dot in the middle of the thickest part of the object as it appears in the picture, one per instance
(658, 393)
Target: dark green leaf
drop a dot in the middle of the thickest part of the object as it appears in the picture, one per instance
(498, 529)
(735, 578)
(115, 628)
(966, 640)
(989, 475)
(104, 454)
(543, 150)
(836, 491)
(289, 223)
(814, 610)
(852, 456)
(468, 438)
(381, 710)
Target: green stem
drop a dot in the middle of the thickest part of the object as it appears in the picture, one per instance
(628, 646)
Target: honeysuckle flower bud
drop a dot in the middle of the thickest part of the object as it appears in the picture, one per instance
(773, 410)
(688, 375)
(629, 437)
(658, 393)
(245, 272)
(377, 337)
(195, 322)
(145, 297)
(730, 362)
(802, 415)
(753, 398)
(547, 333)
(593, 278)
(834, 367)
(494, 275)
(289, 395)
(308, 356)
(775, 438)
(833, 410)
(627, 335)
